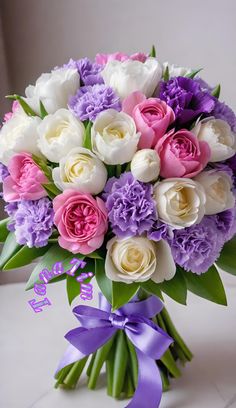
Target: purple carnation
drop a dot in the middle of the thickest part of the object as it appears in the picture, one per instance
(89, 71)
(32, 221)
(3, 172)
(225, 223)
(231, 163)
(159, 231)
(224, 112)
(196, 248)
(186, 98)
(10, 209)
(91, 100)
(131, 209)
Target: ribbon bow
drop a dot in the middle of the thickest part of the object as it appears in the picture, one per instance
(149, 340)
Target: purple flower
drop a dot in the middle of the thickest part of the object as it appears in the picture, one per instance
(196, 248)
(3, 172)
(224, 112)
(89, 71)
(131, 209)
(159, 231)
(186, 98)
(91, 100)
(225, 223)
(231, 163)
(32, 221)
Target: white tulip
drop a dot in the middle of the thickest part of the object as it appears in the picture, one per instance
(180, 202)
(129, 76)
(114, 137)
(19, 134)
(218, 189)
(53, 89)
(80, 170)
(138, 259)
(175, 70)
(217, 133)
(59, 133)
(145, 165)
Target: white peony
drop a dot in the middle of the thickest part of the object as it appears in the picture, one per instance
(180, 202)
(19, 134)
(138, 259)
(59, 133)
(80, 170)
(129, 76)
(53, 89)
(217, 133)
(114, 137)
(145, 165)
(218, 189)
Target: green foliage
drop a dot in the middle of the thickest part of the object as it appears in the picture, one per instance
(9, 249)
(27, 109)
(193, 73)
(216, 91)
(103, 282)
(73, 286)
(153, 52)
(43, 111)
(152, 288)
(24, 256)
(176, 288)
(87, 140)
(122, 293)
(227, 259)
(166, 75)
(3, 229)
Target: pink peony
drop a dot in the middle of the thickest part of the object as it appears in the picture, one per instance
(152, 117)
(14, 108)
(182, 154)
(102, 59)
(81, 221)
(25, 179)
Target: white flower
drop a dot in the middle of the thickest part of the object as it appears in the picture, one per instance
(217, 133)
(59, 133)
(138, 259)
(175, 70)
(80, 170)
(217, 185)
(129, 76)
(145, 165)
(53, 89)
(114, 138)
(180, 202)
(19, 134)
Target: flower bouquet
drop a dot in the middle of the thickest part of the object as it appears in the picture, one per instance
(122, 169)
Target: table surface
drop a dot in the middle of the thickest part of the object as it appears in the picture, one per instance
(32, 343)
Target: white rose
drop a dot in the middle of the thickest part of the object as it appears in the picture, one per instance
(19, 134)
(217, 185)
(53, 89)
(129, 76)
(145, 165)
(175, 70)
(180, 202)
(80, 170)
(114, 137)
(138, 259)
(217, 133)
(59, 133)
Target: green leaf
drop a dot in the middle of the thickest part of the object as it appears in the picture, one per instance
(122, 293)
(27, 109)
(207, 285)
(87, 140)
(3, 229)
(43, 111)
(227, 259)
(176, 288)
(103, 282)
(53, 255)
(216, 91)
(193, 73)
(166, 75)
(153, 52)
(94, 255)
(9, 249)
(73, 286)
(51, 189)
(152, 287)
(24, 257)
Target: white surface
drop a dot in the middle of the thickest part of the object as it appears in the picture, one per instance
(31, 345)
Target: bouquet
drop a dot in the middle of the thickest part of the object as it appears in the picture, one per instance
(121, 170)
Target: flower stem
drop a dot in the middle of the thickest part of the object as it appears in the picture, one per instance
(100, 358)
(110, 368)
(133, 362)
(120, 364)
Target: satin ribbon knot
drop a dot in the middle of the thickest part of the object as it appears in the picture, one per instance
(117, 321)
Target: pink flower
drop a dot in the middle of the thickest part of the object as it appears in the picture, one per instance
(81, 221)
(14, 108)
(182, 154)
(25, 179)
(102, 59)
(152, 117)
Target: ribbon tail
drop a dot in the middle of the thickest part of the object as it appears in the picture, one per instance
(72, 355)
(149, 389)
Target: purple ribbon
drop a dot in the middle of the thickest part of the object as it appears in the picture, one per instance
(149, 340)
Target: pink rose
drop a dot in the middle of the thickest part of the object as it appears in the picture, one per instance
(102, 59)
(152, 117)
(81, 221)
(25, 179)
(182, 154)
(14, 108)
